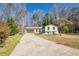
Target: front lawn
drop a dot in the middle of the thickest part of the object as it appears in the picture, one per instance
(10, 44)
(64, 39)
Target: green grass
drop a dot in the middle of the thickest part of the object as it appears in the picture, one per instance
(65, 39)
(10, 44)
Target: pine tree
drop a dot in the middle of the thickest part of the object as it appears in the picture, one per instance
(13, 26)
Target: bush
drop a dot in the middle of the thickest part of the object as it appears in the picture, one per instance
(64, 29)
(13, 26)
(4, 31)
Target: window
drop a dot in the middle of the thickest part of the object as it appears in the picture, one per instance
(53, 28)
(48, 28)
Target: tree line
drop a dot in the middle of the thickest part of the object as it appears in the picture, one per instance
(66, 18)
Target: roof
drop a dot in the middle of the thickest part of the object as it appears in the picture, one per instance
(52, 25)
(33, 27)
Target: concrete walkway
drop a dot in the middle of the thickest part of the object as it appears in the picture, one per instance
(31, 45)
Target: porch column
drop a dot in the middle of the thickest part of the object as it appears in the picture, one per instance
(34, 30)
(38, 30)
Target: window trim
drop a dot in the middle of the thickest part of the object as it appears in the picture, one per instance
(53, 28)
(48, 28)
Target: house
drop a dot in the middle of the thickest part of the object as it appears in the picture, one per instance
(35, 30)
(51, 29)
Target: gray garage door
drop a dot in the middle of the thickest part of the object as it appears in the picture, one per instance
(30, 31)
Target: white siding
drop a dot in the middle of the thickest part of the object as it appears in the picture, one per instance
(51, 29)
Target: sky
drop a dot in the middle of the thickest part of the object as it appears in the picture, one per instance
(40, 6)
(46, 7)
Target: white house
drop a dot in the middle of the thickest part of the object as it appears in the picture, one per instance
(35, 30)
(51, 29)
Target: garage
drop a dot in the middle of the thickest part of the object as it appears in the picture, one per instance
(30, 30)
(33, 29)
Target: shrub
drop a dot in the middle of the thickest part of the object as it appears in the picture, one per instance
(4, 31)
(63, 29)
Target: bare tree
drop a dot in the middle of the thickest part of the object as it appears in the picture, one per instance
(8, 9)
(21, 14)
(17, 11)
(56, 12)
(38, 17)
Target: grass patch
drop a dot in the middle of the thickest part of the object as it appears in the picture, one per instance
(64, 39)
(10, 44)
